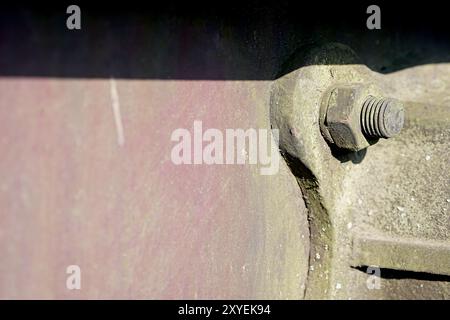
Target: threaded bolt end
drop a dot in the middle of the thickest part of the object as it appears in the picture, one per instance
(381, 118)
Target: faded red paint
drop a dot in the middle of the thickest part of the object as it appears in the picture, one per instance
(138, 225)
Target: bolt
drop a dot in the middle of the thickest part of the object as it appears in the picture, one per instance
(381, 118)
(353, 118)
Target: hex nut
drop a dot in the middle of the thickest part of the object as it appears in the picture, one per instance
(342, 117)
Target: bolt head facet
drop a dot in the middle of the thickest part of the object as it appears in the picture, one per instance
(342, 120)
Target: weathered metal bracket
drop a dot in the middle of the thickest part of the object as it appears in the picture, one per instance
(398, 253)
(343, 208)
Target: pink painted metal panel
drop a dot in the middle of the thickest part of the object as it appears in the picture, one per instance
(136, 224)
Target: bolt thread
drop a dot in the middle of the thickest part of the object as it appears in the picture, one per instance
(381, 117)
